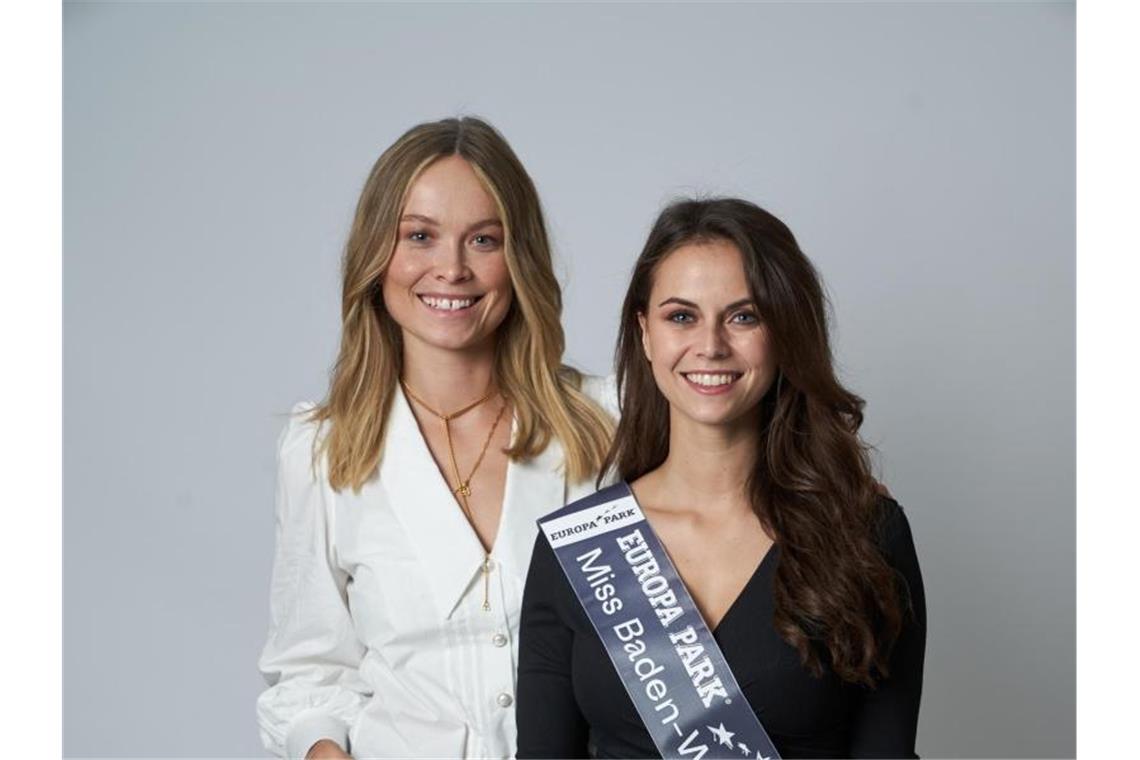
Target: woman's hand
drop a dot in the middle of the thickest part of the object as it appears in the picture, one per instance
(326, 749)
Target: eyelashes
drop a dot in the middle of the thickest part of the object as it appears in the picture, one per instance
(684, 317)
(481, 240)
(490, 240)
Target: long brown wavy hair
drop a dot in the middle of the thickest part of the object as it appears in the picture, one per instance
(529, 343)
(812, 485)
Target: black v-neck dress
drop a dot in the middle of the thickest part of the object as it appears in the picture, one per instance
(571, 702)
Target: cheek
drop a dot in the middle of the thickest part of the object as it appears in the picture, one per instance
(400, 277)
(666, 348)
(496, 274)
(496, 280)
(402, 273)
(676, 344)
(758, 351)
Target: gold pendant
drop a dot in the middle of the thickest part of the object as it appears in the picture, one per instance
(486, 583)
(463, 490)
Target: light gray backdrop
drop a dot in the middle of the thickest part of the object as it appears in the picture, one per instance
(924, 155)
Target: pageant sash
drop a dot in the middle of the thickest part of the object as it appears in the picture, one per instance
(664, 653)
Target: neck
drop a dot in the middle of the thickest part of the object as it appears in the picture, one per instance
(448, 379)
(709, 464)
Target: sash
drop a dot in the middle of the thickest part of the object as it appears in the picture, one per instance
(659, 644)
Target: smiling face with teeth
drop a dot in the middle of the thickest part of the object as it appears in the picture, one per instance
(447, 285)
(708, 348)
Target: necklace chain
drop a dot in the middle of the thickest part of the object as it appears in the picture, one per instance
(463, 488)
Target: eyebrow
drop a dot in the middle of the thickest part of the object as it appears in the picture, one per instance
(691, 305)
(428, 220)
(418, 218)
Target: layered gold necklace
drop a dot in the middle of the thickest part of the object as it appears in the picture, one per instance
(462, 488)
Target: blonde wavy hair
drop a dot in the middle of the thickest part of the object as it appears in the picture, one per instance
(546, 395)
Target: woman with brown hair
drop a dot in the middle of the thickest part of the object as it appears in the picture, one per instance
(406, 500)
(740, 449)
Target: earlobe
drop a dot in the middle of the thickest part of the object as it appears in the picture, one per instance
(644, 340)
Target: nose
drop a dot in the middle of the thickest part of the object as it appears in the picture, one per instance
(452, 265)
(712, 343)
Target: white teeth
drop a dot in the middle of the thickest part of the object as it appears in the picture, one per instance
(447, 304)
(710, 380)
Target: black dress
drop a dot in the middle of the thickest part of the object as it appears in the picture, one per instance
(571, 702)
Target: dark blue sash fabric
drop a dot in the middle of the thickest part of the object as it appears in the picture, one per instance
(658, 642)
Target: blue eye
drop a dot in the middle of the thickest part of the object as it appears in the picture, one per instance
(744, 318)
(484, 240)
(681, 317)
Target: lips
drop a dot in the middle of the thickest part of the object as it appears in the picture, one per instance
(448, 303)
(711, 383)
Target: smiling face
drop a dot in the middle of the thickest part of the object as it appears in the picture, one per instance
(447, 284)
(701, 332)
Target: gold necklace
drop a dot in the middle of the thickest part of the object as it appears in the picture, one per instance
(463, 489)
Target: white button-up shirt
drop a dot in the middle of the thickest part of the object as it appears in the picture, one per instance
(378, 637)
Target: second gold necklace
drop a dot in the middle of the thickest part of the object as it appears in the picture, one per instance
(462, 489)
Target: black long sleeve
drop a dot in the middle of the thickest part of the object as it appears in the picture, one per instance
(550, 723)
(571, 702)
(886, 720)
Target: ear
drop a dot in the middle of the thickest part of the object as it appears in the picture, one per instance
(644, 340)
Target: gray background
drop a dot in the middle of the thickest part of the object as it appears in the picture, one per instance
(924, 155)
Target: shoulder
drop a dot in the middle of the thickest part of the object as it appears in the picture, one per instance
(896, 542)
(894, 537)
(602, 390)
(890, 521)
(303, 495)
(299, 438)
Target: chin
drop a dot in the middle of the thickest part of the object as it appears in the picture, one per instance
(452, 340)
(454, 344)
(713, 419)
(707, 414)
(717, 411)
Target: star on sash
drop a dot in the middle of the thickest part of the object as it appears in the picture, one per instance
(723, 735)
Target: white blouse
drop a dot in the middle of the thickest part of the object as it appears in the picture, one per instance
(378, 639)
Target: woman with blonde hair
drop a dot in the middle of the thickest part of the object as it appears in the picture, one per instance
(407, 500)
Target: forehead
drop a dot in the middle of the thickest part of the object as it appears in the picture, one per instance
(449, 189)
(710, 271)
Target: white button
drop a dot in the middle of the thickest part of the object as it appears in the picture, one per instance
(499, 640)
(505, 700)
(489, 564)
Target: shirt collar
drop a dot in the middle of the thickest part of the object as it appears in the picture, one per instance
(452, 556)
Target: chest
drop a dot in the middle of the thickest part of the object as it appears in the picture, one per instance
(715, 580)
(415, 596)
(796, 708)
(470, 461)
